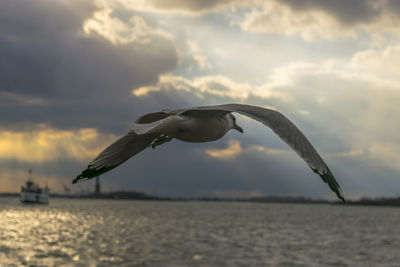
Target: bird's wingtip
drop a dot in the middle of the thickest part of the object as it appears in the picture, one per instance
(91, 172)
(328, 178)
(85, 175)
(339, 193)
(79, 178)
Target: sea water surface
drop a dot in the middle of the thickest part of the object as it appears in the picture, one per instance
(93, 232)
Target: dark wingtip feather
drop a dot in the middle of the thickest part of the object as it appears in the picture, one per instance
(90, 173)
(340, 195)
(79, 178)
(328, 178)
(334, 186)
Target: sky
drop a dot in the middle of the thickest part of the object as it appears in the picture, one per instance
(74, 72)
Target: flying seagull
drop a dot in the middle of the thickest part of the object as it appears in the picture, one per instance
(204, 124)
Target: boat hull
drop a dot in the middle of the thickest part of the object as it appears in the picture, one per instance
(33, 197)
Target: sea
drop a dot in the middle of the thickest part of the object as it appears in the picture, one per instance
(96, 232)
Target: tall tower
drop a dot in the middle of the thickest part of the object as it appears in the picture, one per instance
(97, 186)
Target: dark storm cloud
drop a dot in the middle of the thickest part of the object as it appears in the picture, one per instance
(393, 5)
(197, 5)
(347, 12)
(75, 80)
(39, 19)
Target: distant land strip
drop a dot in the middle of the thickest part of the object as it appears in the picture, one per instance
(133, 195)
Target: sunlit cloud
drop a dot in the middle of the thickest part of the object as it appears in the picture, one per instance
(118, 31)
(144, 90)
(315, 20)
(276, 18)
(231, 151)
(312, 20)
(46, 144)
(384, 62)
(218, 85)
(198, 58)
(181, 7)
(234, 149)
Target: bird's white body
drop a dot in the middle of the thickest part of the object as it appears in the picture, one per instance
(198, 129)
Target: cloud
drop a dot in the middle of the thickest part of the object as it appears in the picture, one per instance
(60, 69)
(179, 7)
(357, 11)
(231, 151)
(218, 85)
(119, 32)
(10, 97)
(45, 144)
(309, 19)
(314, 20)
(383, 62)
(197, 5)
(276, 18)
(200, 60)
(234, 149)
(386, 154)
(60, 18)
(54, 155)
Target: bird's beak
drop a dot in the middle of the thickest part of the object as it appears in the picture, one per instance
(237, 128)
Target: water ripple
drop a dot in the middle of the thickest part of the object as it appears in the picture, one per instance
(71, 232)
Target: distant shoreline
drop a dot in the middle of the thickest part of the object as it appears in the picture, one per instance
(132, 195)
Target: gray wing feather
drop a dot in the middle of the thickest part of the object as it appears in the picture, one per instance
(115, 154)
(285, 129)
(152, 117)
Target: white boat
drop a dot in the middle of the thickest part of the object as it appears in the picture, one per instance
(32, 193)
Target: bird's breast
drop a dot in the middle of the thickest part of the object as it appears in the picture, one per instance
(198, 129)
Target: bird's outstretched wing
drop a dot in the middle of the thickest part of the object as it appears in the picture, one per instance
(115, 154)
(284, 128)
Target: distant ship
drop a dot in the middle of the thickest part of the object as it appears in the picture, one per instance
(32, 193)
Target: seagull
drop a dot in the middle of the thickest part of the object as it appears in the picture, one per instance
(203, 124)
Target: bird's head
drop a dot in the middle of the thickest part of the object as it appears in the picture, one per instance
(234, 125)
